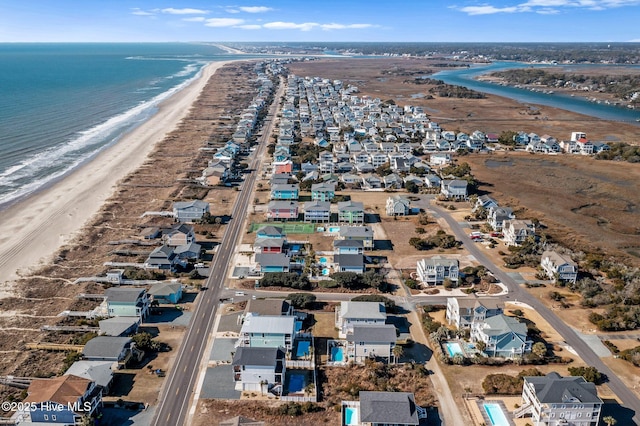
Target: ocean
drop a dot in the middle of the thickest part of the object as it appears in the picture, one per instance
(62, 103)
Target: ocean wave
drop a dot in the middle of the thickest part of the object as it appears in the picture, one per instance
(85, 145)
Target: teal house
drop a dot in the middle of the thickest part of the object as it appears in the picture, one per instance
(323, 191)
(127, 302)
(166, 292)
(267, 331)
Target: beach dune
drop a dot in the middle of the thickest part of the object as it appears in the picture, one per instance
(32, 230)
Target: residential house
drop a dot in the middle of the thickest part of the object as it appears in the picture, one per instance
(347, 247)
(163, 258)
(178, 235)
(119, 326)
(517, 231)
(371, 182)
(269, 245)
(286, 191)
(454, 188)
(434, 270)
(400, 165)
(113, 349)
(317, 211)
(558, 266)
(270, 307)
(432, 181)
(485, 202)
(503, 336)
(371, 341)
(166, 292)
(497, 215)
(62, 400)
(349, 263)
(272, 262)
(378, 159)
(281, 178)
(585, 146)
(282, 210)
(241, 421)
(269, 231)
(440, 159)
(285, 166)
(99, 372)
(361, 233)
(600, 147)
(217, 173)
(267, 331)
(127, 302)
(190, 211)
(397, 205)
(189, 251)
(350, 314)
(382, 408)
(323, 191)
(392, 181)
(416, 180)
(255, 367)
(556, 400)
(463, 313)
(350, 212)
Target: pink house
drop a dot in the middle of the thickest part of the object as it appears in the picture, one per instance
(282, 210)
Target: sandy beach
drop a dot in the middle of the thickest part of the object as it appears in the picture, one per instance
(33, 230)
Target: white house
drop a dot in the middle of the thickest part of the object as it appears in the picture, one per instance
(434, 270)
(502, 335)
(255, 367)
(517, 231)
(371, 341)
(349, 314)
(558, 266)
(463, 313)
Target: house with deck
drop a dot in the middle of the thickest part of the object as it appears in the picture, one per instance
(269, 231)
(255, 367)
(558, 266)
(317, 211)
(267, 331)
(349, 262)
(358, 233)
(282, 210)
(463, 312)
(436, 269)
(557, 400)
(497, 215)
(371, 341)
(397, 205)
(454, 188)
(285, 191)
(350, 212)
(166, 292)
(382, 409)
(503, 336)
(127, 302)
(272, 262)
(517, 231)
(178, 235)
(190, 211)
(349, 314)
(324, 191)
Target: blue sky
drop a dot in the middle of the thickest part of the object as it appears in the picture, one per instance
(325, 20)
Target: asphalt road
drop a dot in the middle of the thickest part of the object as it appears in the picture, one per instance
(174, 401)
(627, 397)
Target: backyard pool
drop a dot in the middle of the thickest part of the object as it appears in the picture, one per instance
(350, 416)
(298, 380)
(323, 260)
(337, 354)
(334, 229)
(453, 348)
(496, 415)
(303, 348)
(326, 271)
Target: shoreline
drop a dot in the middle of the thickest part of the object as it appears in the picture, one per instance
(32, 230)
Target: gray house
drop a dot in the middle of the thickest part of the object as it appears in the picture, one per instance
(454, 188)
(463, 313)
(371, 341)
(317, 211)
(190, 211)
(503, 336)
(383, 408)
(349, 262)
(397, 205)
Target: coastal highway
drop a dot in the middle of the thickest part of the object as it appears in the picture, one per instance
(627, 397)
(174, 401)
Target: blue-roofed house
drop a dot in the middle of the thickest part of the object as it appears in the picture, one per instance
(503, 336)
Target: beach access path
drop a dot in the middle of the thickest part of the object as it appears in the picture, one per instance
(31, 231)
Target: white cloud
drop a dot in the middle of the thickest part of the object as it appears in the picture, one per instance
(195, 19)
(140, 12)
(224, 22)
(255, 9)
(546, 7)
(232, 10)
(345, 26)
(249, 27)
(185, 11)
(279, 25)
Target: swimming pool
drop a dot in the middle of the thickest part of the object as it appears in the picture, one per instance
(302, 348)
(323, 260)
(453, 348)
(326, 271)
(297, 380)
(334, 229)
(496, 415)
(350, 416)
(337, 354)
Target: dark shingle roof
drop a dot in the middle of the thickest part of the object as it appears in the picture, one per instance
(369, 333)
(257, 356)
(388, 407)
(121, 294)
(554, 388)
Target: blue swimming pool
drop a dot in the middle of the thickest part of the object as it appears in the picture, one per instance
(453, 348)
(350, 416)
(496, 415)
(323, 260)
(297, 380)
(337, 354)
(303, 348)
(334, 229)
(326, 271)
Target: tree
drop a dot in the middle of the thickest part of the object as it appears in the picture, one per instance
(609, 420)
(398, 351)
(539, 349)
(590, 374)
(410, 186)
(481, 346)
(301, 300)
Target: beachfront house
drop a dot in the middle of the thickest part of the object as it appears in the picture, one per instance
(267, 331)
(317, 211)
(99, 372)
(558, 266)
(166, 292)
(351, 262)
(165, 258)
(437, 269)
(60, 400)
(254, 368)
(503, 336)
(190, 211)
(324, 191)
(127, 302)
(371, 341)
(349, 314)
(285, 191)
(382, 408)
(454, 188)
(178, 235)
(463, 313)
(282, 210)
(110, 348)
(557, 400)
(497, 215)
